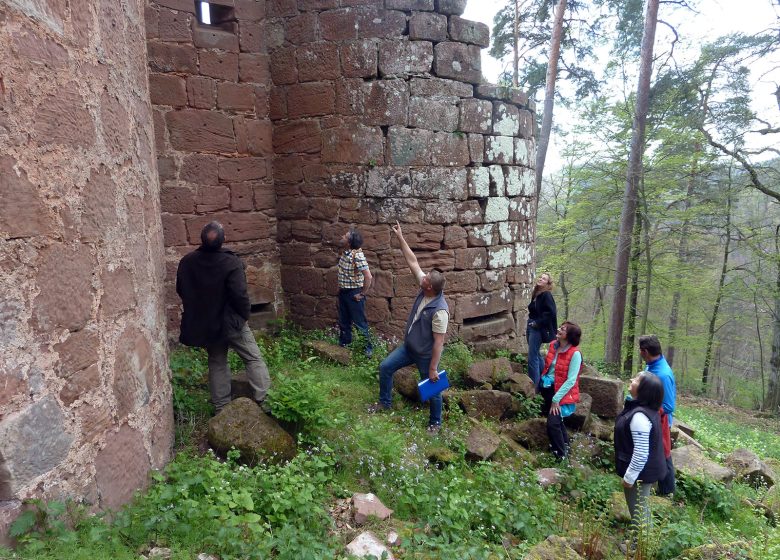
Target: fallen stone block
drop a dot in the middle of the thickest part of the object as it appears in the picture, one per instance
(607, 394)
(368, 505)
(327, 351)
(492, 404)
(690, 460)
(367, 544)
(750, 468)
(488, 371)
(482, 442)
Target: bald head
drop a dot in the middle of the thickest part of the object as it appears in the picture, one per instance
(212, 236)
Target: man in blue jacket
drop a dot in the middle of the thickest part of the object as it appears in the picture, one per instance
(211, 283)
(650, 351)
(424, 335)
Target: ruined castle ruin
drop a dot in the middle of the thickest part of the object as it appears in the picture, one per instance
(126, 126)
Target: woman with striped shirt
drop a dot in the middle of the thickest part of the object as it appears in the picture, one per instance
(639, 448)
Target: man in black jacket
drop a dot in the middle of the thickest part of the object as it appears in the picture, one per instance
(211, 283)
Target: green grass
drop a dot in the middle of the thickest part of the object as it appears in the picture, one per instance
(486, 510)
(717, 428)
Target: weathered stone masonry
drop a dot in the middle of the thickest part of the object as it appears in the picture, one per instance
(125, 126)
(379, 116)
(85, 402)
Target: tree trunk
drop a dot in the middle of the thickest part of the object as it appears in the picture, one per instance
(565, 292)
(628, 362)
(761, 342)
(682, 253)
(772, 402)
(648, 265)
(705, 373)
(516, 46)
(634, 172)
(549, 93)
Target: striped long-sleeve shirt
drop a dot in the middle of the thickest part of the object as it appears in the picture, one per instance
(640, 433)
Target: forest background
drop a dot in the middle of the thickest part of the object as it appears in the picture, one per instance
(703, 267)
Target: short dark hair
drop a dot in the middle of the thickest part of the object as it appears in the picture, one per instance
(212, 236)
(650, 343)
(355, 239)
(573, 333)
(650, 392)
(437, 280)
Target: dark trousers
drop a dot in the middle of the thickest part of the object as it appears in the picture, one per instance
(351, 311)
(556, 430)
(667, 485)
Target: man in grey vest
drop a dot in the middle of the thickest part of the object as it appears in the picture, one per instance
(424, 335)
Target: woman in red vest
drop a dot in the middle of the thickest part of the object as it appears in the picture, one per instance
(560, 385)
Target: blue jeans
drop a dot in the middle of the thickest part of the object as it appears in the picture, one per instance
(535, 362)
(351, 311)
(398, 359)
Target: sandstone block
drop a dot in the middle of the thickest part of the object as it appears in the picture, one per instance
(454, 237)
(200, 169)
(43, 423)
(121, 467)
(166, 57)
(440, 213)
(401, 58)
(520, 181)
(497, 209)
(237, 97)
(366, 544)
(607, 394)
(508, 232)
(497, 180)
(241, 226)
(499, 149)
(251, 37)
(493, 405)
(483, 304)
(477, 148)
(242, 197)
(209, 38)
(471, 258)
(482, 235)
(456, 7)
(379, 23)
(331, 352)
(353, 144)
(690, 460)
(368, 505)
(479, 182)
(442, 260)
(450, 149)
(301, 29)
(297, 137)
(359, 59)
(488, 371)
(251, 10)
(201, 92)
(389, 182)
(174, 230)
(440, 183)
(433, 114)
(200, 131)
(462, 282)
(430, 86)
(501, 256)
(338, 25)
(428, 26)
(167, 89)
(506, 119)
(254, 68)
(531, 434)
(409, 5)
(243, 426)
(458, 61)
(386, 102)
(79, 384)
(317, 62)
(486, 329)
(22, 213)
(527, 124)
(476, 115)
(525, 152)
(174, 27)
(233, 170)
(481, 443)
(77, 352)
(311, 99)
(407, 146)
(284, 69)
(222, 65)
(466, 31)
(62, 119)
(64, 278)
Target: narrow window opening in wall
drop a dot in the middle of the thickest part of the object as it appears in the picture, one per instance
(215, 16)
(260, 307)
(486, 318)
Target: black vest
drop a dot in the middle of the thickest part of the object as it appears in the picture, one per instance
(655, 468)
(418, 337)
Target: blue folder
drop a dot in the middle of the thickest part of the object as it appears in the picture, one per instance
(428, 389)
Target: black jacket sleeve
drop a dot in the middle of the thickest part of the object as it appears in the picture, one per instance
(545, 306)
(235, 287)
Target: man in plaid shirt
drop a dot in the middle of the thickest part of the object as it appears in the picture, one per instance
(354, 282)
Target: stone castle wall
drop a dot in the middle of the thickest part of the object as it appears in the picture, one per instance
(379, 115)
(85, 401)
(209, 86)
